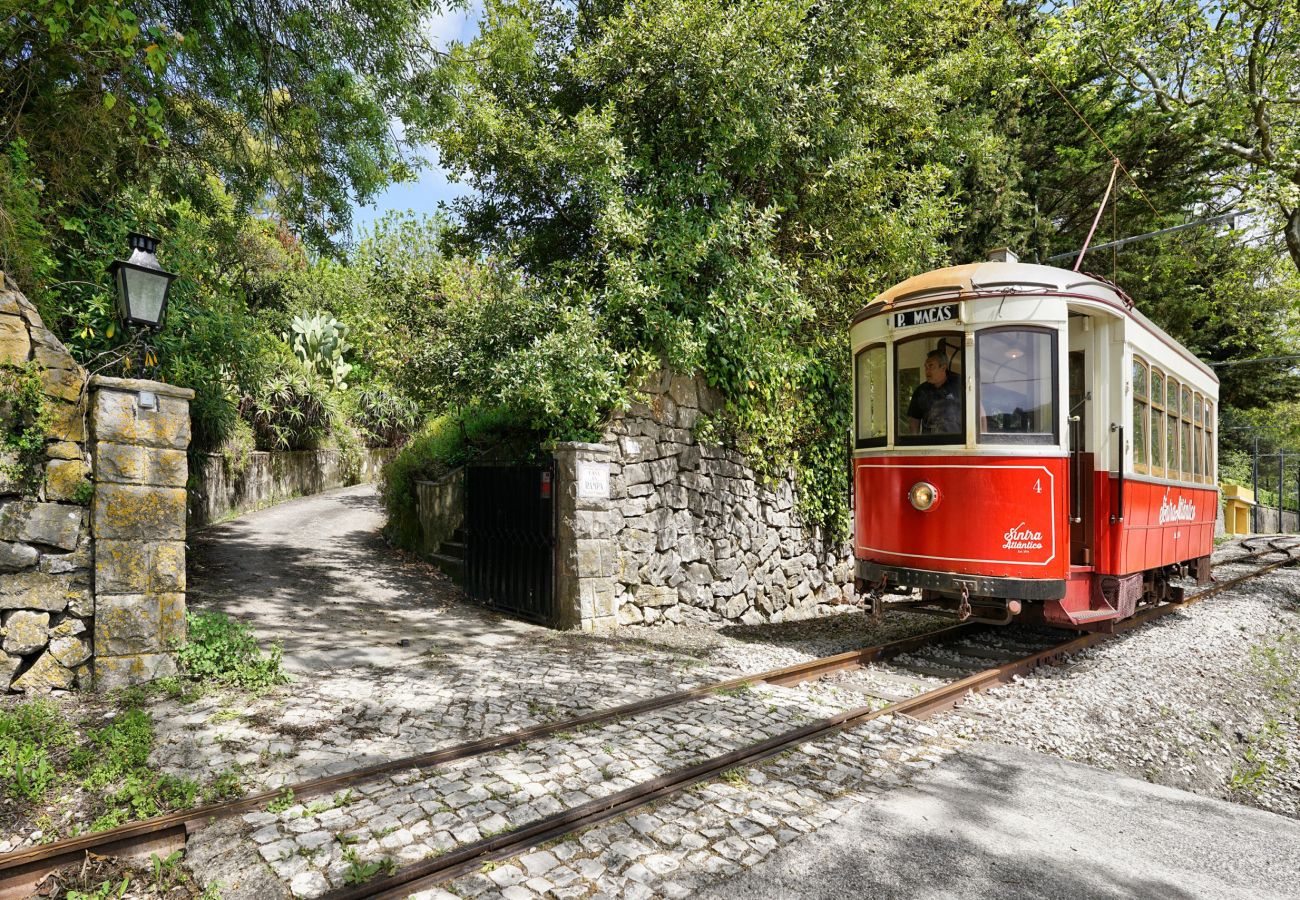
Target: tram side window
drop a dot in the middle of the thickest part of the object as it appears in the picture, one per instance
(1198, 437)
(930, 400)
(1186, 434)
(1141, 413)
(1017, 386)
(1171, 428)
(1157, 422)
(1211, 462)
(872, 381)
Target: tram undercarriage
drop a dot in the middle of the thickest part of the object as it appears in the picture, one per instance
(1117, 597)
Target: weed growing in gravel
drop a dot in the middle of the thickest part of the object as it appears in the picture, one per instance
(29, 734)
(734, 777)
(223, 715)
(224, 650)
(181, 690)
(359, 872)
(109, 890)
(1264, 759)
(166, 871)
(282, 801)
(739, 690)
(226, 786)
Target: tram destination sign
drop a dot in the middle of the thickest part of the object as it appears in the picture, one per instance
(926, 315)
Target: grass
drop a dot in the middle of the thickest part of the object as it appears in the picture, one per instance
(102, 768)
(1275, 665)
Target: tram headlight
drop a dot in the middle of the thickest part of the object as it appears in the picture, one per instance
(923, 495)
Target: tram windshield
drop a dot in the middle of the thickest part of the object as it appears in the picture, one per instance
(929, 400)
(1016, 386)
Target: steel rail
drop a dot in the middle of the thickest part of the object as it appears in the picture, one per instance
(21, 870)
(466, 859)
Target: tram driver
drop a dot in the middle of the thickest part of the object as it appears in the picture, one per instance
(936, 402)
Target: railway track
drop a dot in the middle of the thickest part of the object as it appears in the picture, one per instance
(959, 655)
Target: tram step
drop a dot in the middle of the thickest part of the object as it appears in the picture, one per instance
(1092, 615)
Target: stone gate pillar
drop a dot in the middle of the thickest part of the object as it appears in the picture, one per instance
(139, 431)
(586, 557)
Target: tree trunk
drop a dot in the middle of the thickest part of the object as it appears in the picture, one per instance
(1292, 232)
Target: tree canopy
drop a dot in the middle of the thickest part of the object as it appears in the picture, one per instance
(1224, 73)
(291, 103)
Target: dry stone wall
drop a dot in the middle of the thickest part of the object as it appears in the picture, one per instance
(221, 488)
(90, 597)
(46, 546)
(695, 536)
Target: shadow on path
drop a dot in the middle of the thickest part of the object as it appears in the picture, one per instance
(316, 575)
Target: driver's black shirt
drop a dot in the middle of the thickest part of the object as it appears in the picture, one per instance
(937, 408)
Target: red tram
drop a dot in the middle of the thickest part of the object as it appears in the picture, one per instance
(1027, 444)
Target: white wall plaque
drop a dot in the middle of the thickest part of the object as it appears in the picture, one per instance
(593, 480)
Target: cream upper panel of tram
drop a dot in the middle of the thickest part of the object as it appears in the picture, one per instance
(961, 322)
(1046, 312)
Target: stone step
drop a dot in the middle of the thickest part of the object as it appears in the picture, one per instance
(453, 566)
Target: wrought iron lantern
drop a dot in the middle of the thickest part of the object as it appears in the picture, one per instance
(142, 285)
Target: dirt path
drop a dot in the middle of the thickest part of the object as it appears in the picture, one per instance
(316, 575)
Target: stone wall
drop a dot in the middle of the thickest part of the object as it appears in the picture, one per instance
(91, 598)
(688, 533)
(440, 507)
(221, 489)
(46, 547)
(1265, 521)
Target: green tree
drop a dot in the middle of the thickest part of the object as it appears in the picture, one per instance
(286, 100)
(1223, 72)
(712, 185)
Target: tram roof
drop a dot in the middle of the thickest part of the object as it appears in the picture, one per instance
(997, 278)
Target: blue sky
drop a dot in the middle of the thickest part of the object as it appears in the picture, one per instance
(424, 195)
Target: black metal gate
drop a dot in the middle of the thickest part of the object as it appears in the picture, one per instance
(510, 539)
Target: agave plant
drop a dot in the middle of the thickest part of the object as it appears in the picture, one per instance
(320, 342)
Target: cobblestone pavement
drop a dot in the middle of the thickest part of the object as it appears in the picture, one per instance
(331, 724)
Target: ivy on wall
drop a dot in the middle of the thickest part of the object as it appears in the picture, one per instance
(25, 419)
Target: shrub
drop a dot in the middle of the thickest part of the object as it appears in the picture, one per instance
(442, 445)
(222, 649)
(290, 410)
(384, 417)
(24, 425)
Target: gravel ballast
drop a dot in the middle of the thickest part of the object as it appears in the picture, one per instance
(1204, 699)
